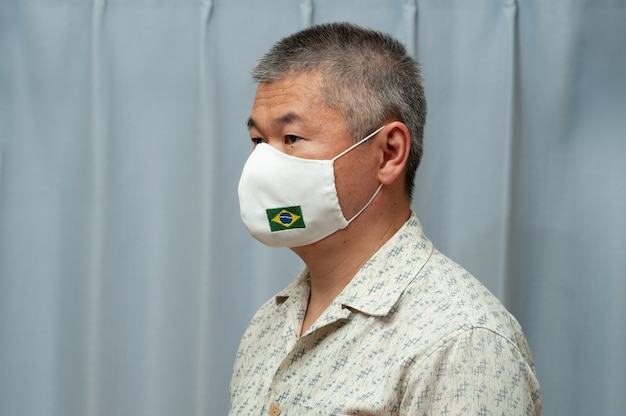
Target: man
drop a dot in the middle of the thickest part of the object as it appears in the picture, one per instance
(379, 322)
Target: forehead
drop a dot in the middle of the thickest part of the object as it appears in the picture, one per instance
(291, 100)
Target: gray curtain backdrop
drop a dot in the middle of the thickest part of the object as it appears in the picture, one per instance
(126, 276)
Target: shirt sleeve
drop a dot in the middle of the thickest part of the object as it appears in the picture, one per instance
(477, 372)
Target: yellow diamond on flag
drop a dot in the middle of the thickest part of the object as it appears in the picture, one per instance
(286, 218)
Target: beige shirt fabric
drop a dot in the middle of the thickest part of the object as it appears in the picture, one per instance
(413, 333)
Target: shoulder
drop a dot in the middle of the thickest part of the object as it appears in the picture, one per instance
(456, 300)
(477, 357)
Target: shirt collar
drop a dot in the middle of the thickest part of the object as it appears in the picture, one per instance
(380, 282)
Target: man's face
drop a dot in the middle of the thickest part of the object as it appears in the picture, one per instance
(290, 115)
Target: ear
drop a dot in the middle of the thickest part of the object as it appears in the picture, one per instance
(395, 152)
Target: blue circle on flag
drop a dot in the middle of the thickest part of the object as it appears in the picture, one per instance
(286, 218)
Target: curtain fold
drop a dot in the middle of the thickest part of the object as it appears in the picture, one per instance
(126, 276)
(468, 53)
(98, 155)
(510, 136)
(306, 13)
(566, 234)
(207, 116)
(409, 14)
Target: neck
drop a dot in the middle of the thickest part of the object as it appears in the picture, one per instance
(333, 261)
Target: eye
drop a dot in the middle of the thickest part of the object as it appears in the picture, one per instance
(256, 140)
(291, 139)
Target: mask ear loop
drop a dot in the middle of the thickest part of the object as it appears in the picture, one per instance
(367, 204)
(379, 186)
(358, 143)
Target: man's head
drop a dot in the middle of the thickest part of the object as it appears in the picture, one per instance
(367, 76)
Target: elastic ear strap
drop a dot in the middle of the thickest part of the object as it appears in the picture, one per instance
(357, 143)
(367, 204)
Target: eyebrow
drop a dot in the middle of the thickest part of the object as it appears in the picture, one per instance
(286, 118)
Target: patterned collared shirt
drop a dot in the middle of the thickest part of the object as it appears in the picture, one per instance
(412, 334)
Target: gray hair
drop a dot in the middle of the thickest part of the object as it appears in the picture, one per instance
(366, 75)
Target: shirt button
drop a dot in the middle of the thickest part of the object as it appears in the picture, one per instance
(274, 410)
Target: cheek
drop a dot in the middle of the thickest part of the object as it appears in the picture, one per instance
(355, 177)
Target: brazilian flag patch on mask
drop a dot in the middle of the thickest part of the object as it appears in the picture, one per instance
(286, 218)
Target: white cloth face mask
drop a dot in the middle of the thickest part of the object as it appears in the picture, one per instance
(287, 201)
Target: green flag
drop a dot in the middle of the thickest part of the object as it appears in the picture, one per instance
(285, 218)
